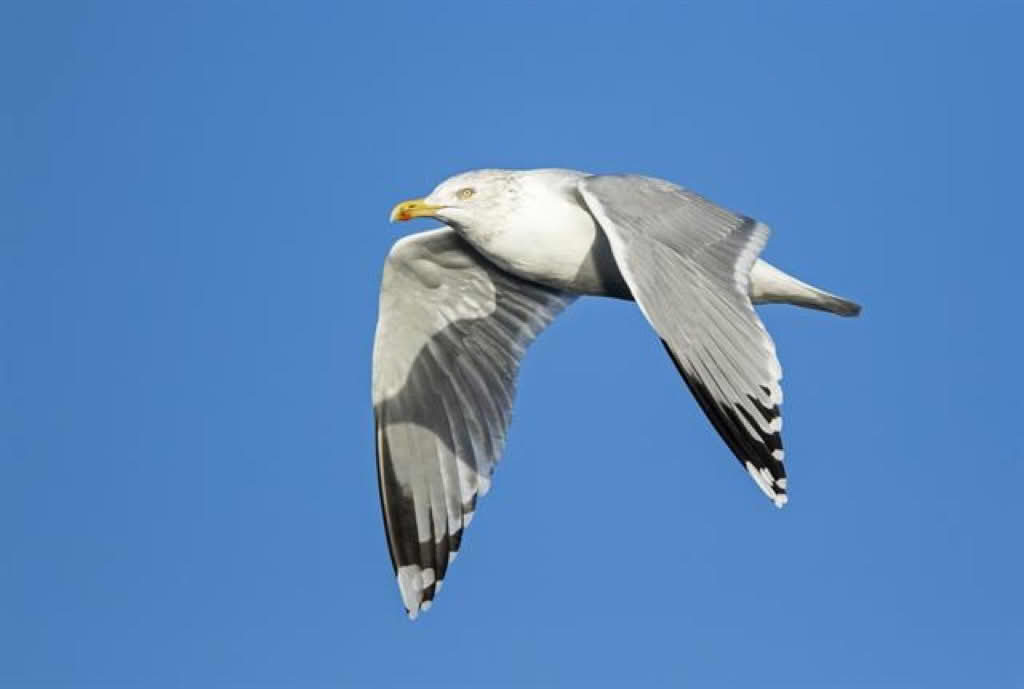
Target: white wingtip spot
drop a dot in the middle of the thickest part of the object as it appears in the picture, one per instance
(467, 518)
(410, 585)
(426, 605)
(778, 454)
(758, 479)
(483, 483)
(781, 483)
(427, 577)
(763, 478)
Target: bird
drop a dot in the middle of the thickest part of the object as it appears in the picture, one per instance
(460, 305)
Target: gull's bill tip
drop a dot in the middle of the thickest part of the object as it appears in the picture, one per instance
(414, 208)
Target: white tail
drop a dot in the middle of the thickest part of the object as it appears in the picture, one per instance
(769, 285)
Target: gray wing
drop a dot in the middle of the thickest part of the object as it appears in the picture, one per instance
(687, 262)
(451, 331)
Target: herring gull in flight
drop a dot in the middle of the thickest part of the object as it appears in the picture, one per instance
(460, 304)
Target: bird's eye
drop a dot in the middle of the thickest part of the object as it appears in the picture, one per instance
(465, 193)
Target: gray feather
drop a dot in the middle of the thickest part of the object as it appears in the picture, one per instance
(687, 263)
(450, 335)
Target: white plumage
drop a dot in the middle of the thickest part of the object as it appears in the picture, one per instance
(460, 305)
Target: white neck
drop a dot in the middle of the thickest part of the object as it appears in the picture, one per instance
(543, 234)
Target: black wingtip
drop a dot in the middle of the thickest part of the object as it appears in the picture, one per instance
(763, 461)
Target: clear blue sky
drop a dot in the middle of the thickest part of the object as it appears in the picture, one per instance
(193, 217)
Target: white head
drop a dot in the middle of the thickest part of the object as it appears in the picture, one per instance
(483, 202)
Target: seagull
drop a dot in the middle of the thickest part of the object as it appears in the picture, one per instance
(460, 304)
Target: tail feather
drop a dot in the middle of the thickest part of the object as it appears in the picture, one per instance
(769, 285)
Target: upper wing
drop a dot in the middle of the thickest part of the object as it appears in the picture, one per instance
(687, 262)
(451, 331)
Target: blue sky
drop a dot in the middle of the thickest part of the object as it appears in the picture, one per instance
(193, 217)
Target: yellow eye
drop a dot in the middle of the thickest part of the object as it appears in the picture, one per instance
(465, 193)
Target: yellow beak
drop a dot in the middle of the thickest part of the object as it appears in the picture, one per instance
(416, 208)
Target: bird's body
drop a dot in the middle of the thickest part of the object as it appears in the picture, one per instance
(553, 240)
(459, 306)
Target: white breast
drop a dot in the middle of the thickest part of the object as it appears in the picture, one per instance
(547, 240)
